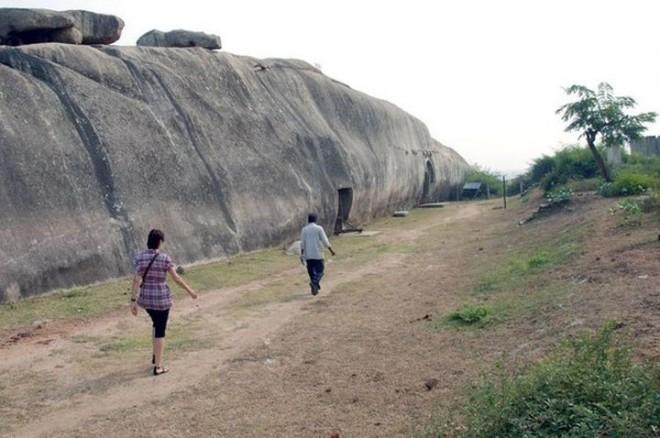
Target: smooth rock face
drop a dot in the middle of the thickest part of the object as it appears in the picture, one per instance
(101, 144)
(31, 26)
(179, 38)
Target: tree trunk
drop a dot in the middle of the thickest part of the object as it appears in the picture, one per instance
(604, 170)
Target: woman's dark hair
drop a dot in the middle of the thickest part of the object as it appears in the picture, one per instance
(311, 218)
(154, 239)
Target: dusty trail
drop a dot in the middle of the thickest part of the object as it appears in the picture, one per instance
(61, 381)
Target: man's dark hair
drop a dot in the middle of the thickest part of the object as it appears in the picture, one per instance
(154, 239)
(311, 218)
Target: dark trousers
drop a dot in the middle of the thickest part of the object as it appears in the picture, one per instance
(159, 319)
(315, 270)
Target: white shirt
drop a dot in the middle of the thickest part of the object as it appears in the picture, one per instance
(312, 240)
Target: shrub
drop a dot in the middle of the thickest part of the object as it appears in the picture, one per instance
(541, 167)
(470, 315)
(590, 387)
(627, 183)
(584, 185)
(559, 196)
(640, 164)
(569, 163)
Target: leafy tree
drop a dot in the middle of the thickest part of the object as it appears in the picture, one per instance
(600, 114)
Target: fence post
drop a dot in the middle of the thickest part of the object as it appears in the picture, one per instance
(504, 189)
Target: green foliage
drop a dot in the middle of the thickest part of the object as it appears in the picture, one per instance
(559, 196)
(631, 210)
(470, 315)
(570, 163)
(487, 178)
(601, 118)
(590, 387)
(602, 113)
(584, 185)
(541, 167)
(628, 183)
(520, 269)
(640, 164)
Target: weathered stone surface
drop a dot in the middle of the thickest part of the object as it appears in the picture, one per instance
(100, 144)
(31, 26)
(97, 28)
(28, 26)
(179, 38)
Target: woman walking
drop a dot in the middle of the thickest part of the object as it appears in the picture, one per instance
(151, 292)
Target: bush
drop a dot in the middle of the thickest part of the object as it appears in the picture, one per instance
(470, 315)
(627, 183)
(541, 167)
(584, 185)
(636, 163)
(570, 163)
(559, 196)
(590, 387)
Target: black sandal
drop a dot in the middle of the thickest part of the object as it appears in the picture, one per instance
(160, 370)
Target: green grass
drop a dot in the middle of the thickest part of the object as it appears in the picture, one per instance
(180, 338)
(472, 315)
(77, 302)
(237, 270)
(511, 288)
(589, 387)
(523, 266)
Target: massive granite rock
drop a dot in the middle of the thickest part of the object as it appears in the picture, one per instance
(179, 38)
(225, 153)
(30, 26)
(97, 28)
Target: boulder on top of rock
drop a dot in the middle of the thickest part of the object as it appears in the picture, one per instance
(29, 26)
(26, 26)
(97, 28)
(179, 38)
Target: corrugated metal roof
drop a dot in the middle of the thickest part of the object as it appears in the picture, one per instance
(472, 186)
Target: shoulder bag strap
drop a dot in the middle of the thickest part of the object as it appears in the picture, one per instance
(144, 276)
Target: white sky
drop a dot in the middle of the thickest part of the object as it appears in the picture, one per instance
(485, 76)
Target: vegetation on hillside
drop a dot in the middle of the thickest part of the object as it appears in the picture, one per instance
(589, 387)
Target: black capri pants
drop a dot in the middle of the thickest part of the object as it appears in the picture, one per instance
(159, 319)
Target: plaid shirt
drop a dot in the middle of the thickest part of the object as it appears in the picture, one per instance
(155, 293)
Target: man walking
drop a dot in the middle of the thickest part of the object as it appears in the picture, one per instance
(312, 241)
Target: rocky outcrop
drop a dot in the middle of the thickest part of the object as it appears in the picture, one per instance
(224, 153)
(30, 26)
(179, 38)
(97, 28)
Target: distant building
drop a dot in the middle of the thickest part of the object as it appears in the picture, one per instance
(647, 146)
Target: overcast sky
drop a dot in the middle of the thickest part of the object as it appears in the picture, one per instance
(485, 76)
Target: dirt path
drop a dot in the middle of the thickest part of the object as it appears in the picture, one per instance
(371, 356)
(66, 382)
